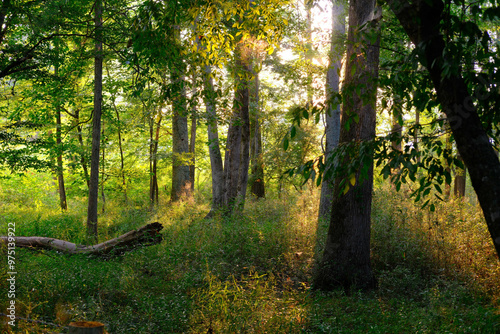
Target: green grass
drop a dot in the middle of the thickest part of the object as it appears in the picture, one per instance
(252, 273)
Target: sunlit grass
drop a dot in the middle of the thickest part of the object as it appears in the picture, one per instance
(437, 272)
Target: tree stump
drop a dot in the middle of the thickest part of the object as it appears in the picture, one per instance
(86, 327)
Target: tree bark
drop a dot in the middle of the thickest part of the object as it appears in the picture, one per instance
(332, 127)
(237, 157)
(146, 235)
(460, 180)
(60, 149)
(257, 171)
(217, 169)
(421, 21)
(181, 188)
(346, 258)
(120, 146)
(154, 138)
(60, 168)
(83, 160)
(96, 127)
(192, 145)
(103, 170)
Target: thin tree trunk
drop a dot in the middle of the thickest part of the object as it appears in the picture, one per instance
(156, 189)
(415, 136)
(308, 52)
(60, 168)
(192, 144)
(257, 179)
(154, 138)
(447, 187)
(96, 127)
(120, 146)
(346, 258)
(218, 184)
(332, 128)
(421, 21)
(103, 172)
(460, 180)
(83, 160)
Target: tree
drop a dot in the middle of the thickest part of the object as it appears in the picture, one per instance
(96, 127)
(332, 117)
(257, 170)
(422, 22)
(346, 257)
(181, 187)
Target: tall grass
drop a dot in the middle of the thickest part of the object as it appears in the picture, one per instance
(251, 273)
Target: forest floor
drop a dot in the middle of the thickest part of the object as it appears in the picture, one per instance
(437, 271)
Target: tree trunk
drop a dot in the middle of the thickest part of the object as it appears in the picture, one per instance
(60, 169)
(346, 258)
(238, 139)
(192, 144)
(83, 160)
(120, 146)
(217, 169)
(415, 136)
(421, 21)
(154, 137)
(146, 235)
(60, 149)
(309, 52)
(181, 187)
(103, 170)
(332, 128)
(460, 180)
(96, 127)
(257, 179)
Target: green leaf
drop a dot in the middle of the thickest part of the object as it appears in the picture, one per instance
(293, 131)
(285, 143)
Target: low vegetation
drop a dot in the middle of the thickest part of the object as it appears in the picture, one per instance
(437, 271)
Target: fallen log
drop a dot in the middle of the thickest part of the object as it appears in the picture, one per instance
(145, 236)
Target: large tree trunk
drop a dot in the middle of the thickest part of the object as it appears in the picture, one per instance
(346, 258)
(257, 171)
(181, 187)
(96, 127)
(421, 21)
(238, 139)
(147, 235)
(332, 128)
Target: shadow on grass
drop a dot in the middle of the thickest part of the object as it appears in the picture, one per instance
(247, 274)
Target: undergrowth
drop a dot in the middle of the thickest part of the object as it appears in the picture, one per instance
(437, 272)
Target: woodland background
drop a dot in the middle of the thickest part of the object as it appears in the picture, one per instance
(261, 135)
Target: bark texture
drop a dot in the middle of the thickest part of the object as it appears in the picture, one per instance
(346, 258)
(421, 21)
(237, 157)
(218, 185)
(145, 236)
(332, 127)
(181, 187)
(96, 127)
(257, 170)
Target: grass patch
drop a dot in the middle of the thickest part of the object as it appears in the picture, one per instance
(251, 273)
